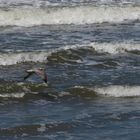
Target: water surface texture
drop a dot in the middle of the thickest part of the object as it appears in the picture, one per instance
(91, 52)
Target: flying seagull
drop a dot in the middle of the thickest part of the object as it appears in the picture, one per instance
(38, 71)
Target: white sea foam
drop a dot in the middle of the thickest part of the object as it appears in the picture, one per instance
(68, 15)
(12, 95)
(114, 90)
(42, 128)
(112, 48)
(115, 48)
(14, 58)
(41, 56)
(118, 91)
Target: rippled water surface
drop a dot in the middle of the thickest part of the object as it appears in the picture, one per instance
(91, 54)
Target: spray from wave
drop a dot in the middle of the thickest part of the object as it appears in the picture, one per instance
(68, 15)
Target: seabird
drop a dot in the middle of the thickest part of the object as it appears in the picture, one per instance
(39, 71)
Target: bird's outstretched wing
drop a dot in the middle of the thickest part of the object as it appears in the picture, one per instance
(38, 71)
(30, 72)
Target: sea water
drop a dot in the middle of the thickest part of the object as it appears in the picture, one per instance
(90, 50)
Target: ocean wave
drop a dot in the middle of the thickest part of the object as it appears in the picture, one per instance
(68, 15)
(63, 53)
(119, 91)
(14, 58)
(19, 90)
(110, 91)
(116, 48)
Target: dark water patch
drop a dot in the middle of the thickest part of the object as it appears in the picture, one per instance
(64, 57)
(35, 130)
(54, 36)
(136, 52)
(21, 87)
(85, 54)
(109, 64)
(72, 55)
(125, 116)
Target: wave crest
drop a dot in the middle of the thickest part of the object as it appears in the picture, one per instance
(119, 91)
(19, 90)
(110, 91)
(116, 48)
(63, 54)
(68, 15)
(14, 58)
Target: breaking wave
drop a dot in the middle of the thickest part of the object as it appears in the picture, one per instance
(68, 15)
(64, 52)
(112, 90)
(19, 90)
(116, 48)
(119, 91)
(14, 58)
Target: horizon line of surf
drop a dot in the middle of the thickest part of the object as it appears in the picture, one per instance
(77, 15)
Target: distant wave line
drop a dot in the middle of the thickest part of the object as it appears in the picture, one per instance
(77, 15)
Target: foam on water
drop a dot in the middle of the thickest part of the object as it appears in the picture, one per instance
(12, 95)
(115, 48)
(14, 58)
(41, 56)
(68, 15)
(110, 90)
(119, 91)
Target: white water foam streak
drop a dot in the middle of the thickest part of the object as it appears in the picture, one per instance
(12, 95)
(68, 15)
(14, 58)
(119, 91)
(115, 48)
